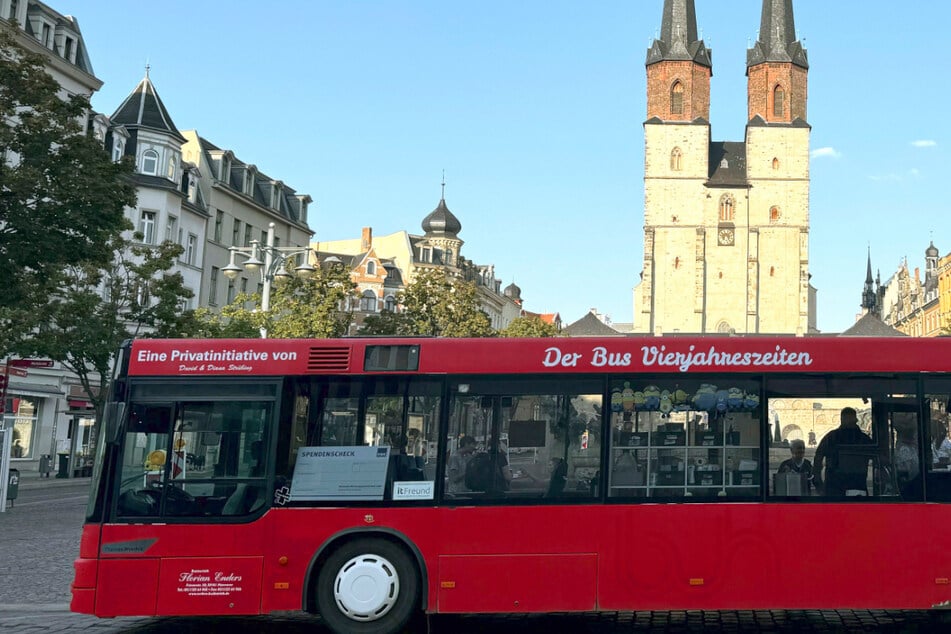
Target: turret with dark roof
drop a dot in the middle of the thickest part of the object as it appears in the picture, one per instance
(777, 37)
(678, 36)
(143, 108)
(441, 221)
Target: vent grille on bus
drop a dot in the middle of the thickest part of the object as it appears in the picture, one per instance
(329, 360)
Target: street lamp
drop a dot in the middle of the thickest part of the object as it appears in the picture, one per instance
(273, 267)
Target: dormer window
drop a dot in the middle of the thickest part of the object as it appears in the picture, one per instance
(68, 49)
(425, 254)
(13, 9)
(47, 34)
(117, 151)
(170, 172)
(371, 268)
(150, 162)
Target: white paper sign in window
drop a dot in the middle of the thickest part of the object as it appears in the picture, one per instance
(339, 473)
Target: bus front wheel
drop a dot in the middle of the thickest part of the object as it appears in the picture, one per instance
(368, 586)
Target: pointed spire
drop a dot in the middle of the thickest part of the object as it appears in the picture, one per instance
(869, 296)
(678, 39)
(777, 36)
(144, 108)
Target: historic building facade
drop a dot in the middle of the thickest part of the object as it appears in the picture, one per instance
(912, 304)
(726, 224)
(380, 266)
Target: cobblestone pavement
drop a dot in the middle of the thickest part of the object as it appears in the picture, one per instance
(39, 538)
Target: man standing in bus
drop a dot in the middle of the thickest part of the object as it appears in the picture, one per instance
(842, 475)
(458, 462)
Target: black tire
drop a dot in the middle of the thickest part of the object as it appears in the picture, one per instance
(387, 576)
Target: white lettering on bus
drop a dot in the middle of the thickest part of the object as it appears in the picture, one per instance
(601, 357)
(554, 356)
(683, 361)
(147, 356)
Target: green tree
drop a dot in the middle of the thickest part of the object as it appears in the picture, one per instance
(299, 307)
(86, 320)
(388, 323)
(61, 199)
(532, 326)
(444, 306)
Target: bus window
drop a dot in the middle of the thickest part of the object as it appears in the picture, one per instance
(195, 459)
(937, 444)
(842, 437)
(685, 438)
(523, 445)
(399, 416)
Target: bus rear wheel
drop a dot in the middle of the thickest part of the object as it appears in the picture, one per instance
(368, 586)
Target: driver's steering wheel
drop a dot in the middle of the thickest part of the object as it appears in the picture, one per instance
(177, 500)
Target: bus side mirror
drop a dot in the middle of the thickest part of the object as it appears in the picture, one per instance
(112, 417)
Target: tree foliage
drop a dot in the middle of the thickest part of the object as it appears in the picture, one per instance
(531, 326)
(85, 321)
(301, 307)
(438, 305)
(61, 197)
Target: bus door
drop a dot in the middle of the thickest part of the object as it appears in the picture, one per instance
(191, 481)
(936, 411)
(898, 464)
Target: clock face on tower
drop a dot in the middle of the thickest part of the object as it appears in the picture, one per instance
(725, 237)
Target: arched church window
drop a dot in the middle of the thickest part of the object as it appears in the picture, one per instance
(726, 208)
(676, 159)
(724, 328)
(779, 99)
(677, 98)
(775, 163)
(774, 215)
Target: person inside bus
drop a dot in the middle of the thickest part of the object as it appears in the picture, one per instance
(559, 477)
(843, 475)
(905, 459)
(458, 462)
(798, 464)
(416, 447)
(940, 445)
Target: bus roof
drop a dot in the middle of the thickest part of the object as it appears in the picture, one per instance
(665, 354)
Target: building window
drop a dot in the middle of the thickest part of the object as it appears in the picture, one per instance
(389, 304)
(371, 268)
(425, 254)
(213, 287)
(171, 229)
(236, 232)
(248, 230)
(46, 34)
(676, 157)
(150, 162)
(449, 255)
(677, 98)
(775, 163)
(13, 9)
(779, 98)
(231, 291)
(726, 208)
(68, 49)
(368, 302)
(171, 168)
(147, 227)
(191, 248)
(774, 215)
(219, 221)
(116, 151)
(21, 415)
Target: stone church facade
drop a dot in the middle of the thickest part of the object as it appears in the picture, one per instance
(726, 224)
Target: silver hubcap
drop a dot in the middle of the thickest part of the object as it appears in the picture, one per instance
(366, 587)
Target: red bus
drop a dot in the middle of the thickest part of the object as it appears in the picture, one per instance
(370, 480)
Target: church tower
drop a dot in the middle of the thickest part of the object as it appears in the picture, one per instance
(725, 223)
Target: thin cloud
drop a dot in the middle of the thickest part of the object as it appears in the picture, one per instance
(821, 152)
(924, 143)
(894, 177)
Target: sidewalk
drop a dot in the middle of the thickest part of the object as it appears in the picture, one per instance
(33, 480)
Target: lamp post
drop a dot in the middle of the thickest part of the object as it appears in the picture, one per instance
(273, 267)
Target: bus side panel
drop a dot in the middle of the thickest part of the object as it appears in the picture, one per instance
(127, 587)
(210, 585)
(520, 583)
(772, 556)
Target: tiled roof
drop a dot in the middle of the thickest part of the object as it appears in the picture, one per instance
(871, 326)
(589, 326)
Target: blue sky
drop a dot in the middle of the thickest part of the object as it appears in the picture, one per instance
(534, 109)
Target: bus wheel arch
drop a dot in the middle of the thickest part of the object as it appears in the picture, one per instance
(368, 554)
